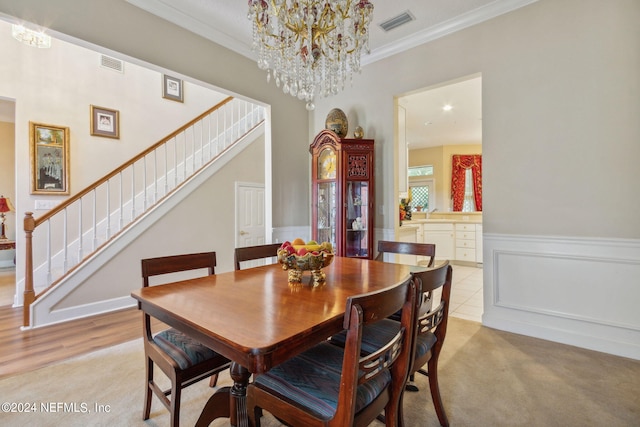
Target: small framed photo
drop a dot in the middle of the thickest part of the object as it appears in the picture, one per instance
(105, 122)
(172, 88)
(49, 159)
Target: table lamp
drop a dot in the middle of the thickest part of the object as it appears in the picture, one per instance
(5, 206)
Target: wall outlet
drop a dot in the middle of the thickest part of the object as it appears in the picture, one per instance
(380, 209)
(45, 205)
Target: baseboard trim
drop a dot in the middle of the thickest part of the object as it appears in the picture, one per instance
(82, 311)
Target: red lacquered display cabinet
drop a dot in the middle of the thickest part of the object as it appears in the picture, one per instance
(342, 193)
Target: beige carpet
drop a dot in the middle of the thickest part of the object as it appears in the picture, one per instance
(487, 378)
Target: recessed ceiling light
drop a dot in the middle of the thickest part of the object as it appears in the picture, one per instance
(447, 107)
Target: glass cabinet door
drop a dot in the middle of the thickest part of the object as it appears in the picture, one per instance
(326, 225)
(343, 192)
(357, 218)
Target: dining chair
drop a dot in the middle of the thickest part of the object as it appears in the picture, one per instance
(431, 329)
(408, 248)
(328, 385)
(250, 253)
(181, 358)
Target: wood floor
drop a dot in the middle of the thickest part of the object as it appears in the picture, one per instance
(31, 349)
(7, 285)
(22, 351)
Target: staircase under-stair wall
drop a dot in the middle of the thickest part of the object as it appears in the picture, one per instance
(73, 278)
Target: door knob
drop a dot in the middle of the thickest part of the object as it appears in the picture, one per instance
(242, 232)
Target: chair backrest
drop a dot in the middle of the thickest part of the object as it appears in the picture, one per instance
(394, 355)
(250, 253)
(407, 248)
(176, 263)
(432, 318)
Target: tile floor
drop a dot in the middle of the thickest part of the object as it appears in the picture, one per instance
(466, 293)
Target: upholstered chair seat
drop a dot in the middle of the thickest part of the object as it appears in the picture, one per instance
(183, 349)
(312, 380)
(430, 325)
(332, 386)
(377, 334)
(181, 358)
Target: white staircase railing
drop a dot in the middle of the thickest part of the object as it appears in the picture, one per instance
(61, 239)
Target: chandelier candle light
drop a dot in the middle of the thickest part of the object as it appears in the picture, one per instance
(310, 46)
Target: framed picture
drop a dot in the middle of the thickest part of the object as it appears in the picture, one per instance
(49, 159)
(105, 122)
(172, 88)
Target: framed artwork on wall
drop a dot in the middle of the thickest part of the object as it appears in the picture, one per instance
(49, 159)
(172, 88)
(105, 122)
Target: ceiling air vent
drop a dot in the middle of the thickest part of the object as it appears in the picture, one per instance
(397, 21)
(112, 63)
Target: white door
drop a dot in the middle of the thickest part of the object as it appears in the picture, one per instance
(250, 227)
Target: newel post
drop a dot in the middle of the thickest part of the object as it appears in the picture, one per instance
(29, 294)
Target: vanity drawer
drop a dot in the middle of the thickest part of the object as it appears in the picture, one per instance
(466, 254)
(426, 227)
(466, 243)
(471, 235)
(465, 227)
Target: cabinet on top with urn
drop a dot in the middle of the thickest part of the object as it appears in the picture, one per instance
(342, 193)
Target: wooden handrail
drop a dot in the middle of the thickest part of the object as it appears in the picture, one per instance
(125, 165)
(31, 223)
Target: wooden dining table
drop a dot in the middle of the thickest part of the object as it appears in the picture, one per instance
(257, 319)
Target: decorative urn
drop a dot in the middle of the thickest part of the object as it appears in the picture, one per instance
(337, 122)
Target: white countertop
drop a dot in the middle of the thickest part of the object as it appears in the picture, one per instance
(409, 224)
(415, 222)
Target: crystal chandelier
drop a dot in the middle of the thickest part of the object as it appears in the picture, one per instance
(310, 46)
(30, 37)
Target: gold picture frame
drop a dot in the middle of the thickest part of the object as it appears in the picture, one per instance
(49, 159)
(105, 122)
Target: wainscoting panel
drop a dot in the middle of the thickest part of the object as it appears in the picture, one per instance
(282, 234)
(582, 292)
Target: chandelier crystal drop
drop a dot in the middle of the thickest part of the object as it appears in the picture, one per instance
(310, 47)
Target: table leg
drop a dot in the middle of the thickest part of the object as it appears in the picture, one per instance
(229, 402)
(238, 404)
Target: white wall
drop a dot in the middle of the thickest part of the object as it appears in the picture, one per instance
(56, 86)
(561, 101)
(560, 85)
(122, 30)
(210, 208)
(116, 26)
(194, 219)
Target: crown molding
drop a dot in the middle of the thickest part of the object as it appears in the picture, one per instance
(485, 13)
(165, 10)
(169, 13)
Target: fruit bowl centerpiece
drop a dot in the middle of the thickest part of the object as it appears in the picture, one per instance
(298, 256)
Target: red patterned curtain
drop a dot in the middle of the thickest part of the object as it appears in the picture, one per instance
(460, 164)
